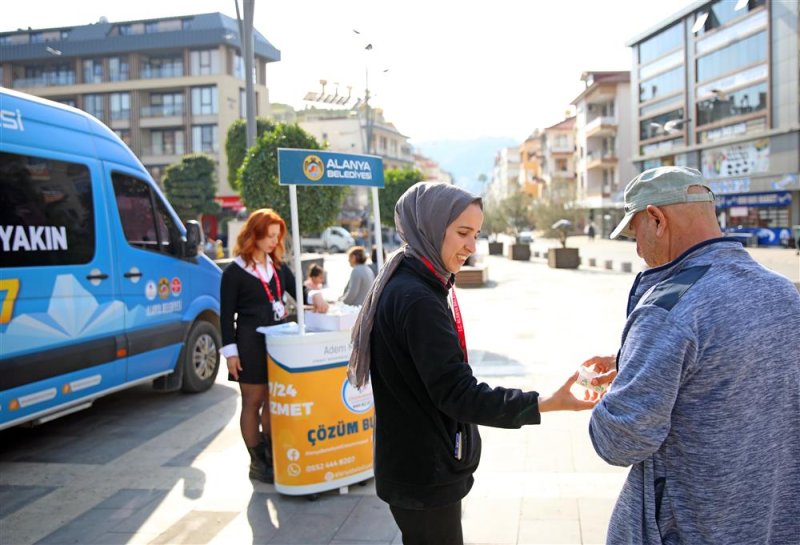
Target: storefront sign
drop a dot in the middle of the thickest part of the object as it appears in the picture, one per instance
(761, 200)
(737, 159)
(314, 167)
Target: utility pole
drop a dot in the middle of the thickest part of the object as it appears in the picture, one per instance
(246, 32)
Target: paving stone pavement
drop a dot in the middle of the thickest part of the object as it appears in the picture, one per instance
(146, 468)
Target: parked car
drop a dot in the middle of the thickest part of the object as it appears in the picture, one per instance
(335, 238)
(525, 237)
(102, 286)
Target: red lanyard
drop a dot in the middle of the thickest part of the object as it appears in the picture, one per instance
(266, 286)
(462, 338)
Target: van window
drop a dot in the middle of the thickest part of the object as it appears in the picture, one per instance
(145, 220)
(46, 212)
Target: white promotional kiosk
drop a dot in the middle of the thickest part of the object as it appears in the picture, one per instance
(322, 427)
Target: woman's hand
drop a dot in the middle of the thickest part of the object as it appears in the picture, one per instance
(234, 366)
(319, 302)
(563, 399)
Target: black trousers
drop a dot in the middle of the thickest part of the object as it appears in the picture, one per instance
(441, 526)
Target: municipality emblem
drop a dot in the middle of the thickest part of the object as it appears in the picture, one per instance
(312, 168)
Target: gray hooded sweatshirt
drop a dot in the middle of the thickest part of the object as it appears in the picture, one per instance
(706, 405)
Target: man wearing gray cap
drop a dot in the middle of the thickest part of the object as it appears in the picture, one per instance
(705, 406)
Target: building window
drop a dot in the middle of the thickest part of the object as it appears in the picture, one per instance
(164, 105)
(93, 71)
(51, 75)
(204, 101)
(653, 127)
(118, 69)
(722, 12)
(204, 139)
(124, 135)
(662, 85)
(743, 53)
(120, 106)
(162, 67)
(204, 63)
(167, 143)
(68, 102)
(733, 130)
(662, 64)
(94, 104)
(652, 48)
(741, 102)
(131, 29)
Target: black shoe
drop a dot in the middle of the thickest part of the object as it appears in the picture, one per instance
(259, 468)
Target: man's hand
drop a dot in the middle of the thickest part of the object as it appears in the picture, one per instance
(606, 366)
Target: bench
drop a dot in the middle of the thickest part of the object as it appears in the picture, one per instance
(472, 276)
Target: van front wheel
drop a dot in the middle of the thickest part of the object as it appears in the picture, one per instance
(201, 357)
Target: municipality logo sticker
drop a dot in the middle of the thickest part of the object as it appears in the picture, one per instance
(312, 168)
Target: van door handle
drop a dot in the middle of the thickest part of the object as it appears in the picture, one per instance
(97, 276)
(129, 274)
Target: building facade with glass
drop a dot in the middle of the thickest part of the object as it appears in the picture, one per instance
(717, 87)
(167, 87)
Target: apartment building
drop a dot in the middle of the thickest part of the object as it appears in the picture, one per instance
(167, 87)
(558, 162)
(431, 170)
(530, 166)
(603, 146)
(505, 175)
(717, 88)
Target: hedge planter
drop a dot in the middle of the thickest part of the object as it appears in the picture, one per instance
(563, 258)
(520, 252)
(495, 248)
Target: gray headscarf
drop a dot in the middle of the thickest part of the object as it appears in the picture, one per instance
(421, 216)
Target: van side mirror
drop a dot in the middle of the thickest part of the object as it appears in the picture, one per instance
(193, 238)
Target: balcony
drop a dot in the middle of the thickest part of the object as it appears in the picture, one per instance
(162, 116)
(599, 159)
(601, 126)
(162, 155)
(50, 80)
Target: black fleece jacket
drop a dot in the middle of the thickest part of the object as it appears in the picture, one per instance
(426, 396)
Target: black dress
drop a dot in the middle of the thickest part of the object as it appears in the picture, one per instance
(244, 307)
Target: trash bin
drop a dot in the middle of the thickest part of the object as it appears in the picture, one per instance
(322, 427)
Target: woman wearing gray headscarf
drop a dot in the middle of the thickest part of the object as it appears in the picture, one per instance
(427, 401)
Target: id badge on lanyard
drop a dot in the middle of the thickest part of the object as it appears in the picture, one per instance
(278, 308)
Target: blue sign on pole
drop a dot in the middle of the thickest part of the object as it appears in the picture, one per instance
(315, 167)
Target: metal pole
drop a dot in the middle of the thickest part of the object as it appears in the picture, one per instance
(376, 213)
(298, 270)
(247, 53)
(368, 130)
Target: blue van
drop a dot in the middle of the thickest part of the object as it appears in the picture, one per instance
(101, 285)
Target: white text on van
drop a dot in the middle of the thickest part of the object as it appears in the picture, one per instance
(11, 120)
(36, 237)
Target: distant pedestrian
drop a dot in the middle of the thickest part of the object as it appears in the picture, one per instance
(361, 277)
(315, 278)
(706, 403)
(427, 401)
(590, 230)
(252, 295)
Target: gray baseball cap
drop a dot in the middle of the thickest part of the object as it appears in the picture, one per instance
(660, 186)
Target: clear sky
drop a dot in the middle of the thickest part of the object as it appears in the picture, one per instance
(456, 69)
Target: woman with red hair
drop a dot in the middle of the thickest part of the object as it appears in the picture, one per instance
(252, 295)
